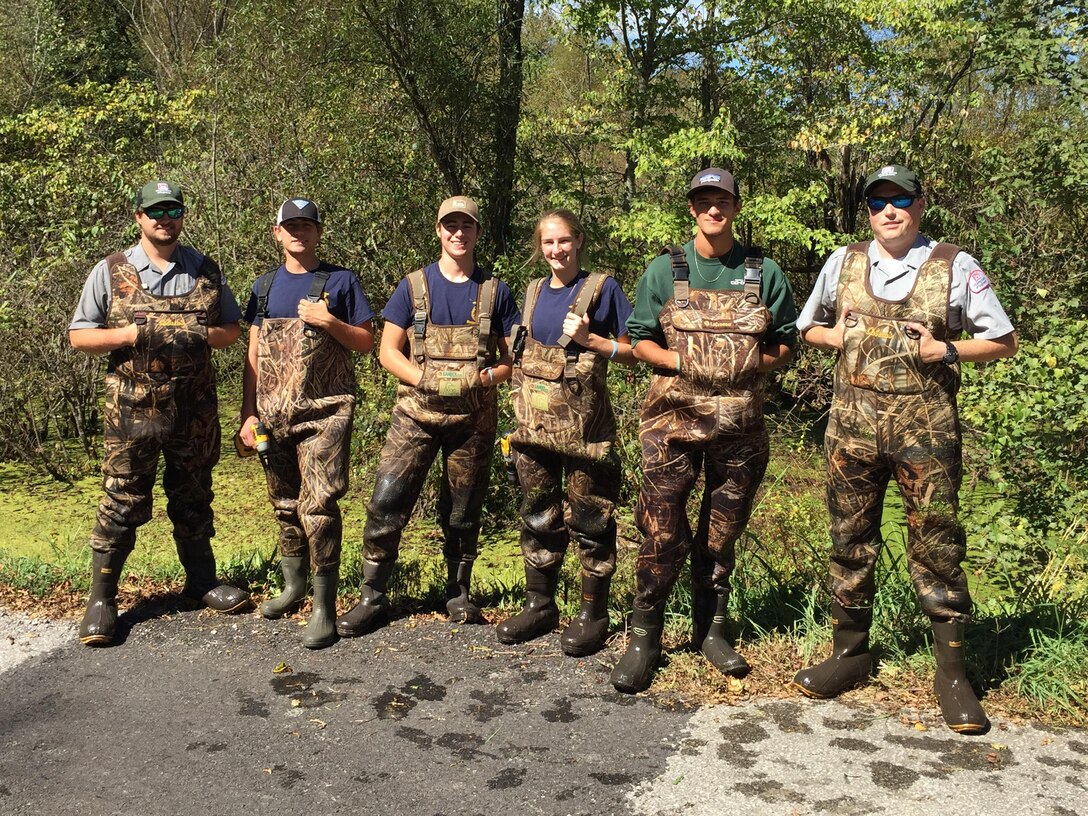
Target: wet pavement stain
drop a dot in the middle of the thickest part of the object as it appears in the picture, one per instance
(737, 755)
(488, 705)
(1079, 747)
(423, 687)
(1054, 762)
(464, 746)
(613, 778)
(624, 700)
(855, 723)
(564, 795)
(290, 778)
(301, 687)
(560, 713)
(507, 778)
(851, 744)
(392, 705)
(744, 733)
(842, 806)
(971, 757)
(414, 736)
(534, 676)
(892, 777)
(251, 706)
(919, 743)
(691, 746)
(770, 791)
(787, 716)
(213, 748)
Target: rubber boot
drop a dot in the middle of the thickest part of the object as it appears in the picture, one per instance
(635, 671)
(959, 705)
(372, 611)
(709, 615)
(294, 569)
(540, 615)
(99, 624)
(850, 663)
(460, 607)
(201, 583)
(586, 633)
(321, 630)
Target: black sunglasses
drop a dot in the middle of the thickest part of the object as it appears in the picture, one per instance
(158, 212)
(900, 202)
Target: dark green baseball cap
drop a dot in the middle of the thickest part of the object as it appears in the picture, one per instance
(902, 177)
(158, 192)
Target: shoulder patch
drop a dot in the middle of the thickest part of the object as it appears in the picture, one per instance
(977, 281)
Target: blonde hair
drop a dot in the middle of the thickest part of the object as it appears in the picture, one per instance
(570, 220)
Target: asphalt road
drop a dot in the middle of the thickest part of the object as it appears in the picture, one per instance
(189, 716)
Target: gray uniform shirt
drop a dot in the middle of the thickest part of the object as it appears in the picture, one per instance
(973, 306)
(178, 278)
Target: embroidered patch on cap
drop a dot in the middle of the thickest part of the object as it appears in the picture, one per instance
(978, 281)
(162, 187)
(709, 177)
(889, 170)
(299, 202)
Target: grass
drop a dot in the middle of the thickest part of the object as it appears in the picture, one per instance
(1029, 650)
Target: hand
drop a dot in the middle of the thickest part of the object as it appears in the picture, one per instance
(487, 378)
(132, 335)
(246, 432)
(577, 328)
(930, 349)
(315, 313)
(835, 337)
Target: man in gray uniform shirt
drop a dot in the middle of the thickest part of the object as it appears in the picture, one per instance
(157, 309)
(894, 310)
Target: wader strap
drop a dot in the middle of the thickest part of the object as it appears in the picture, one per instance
(588, 294)
(532, 294)
(264, 286)
(115, 260)
(680, 291)
(944, 252)
(861, 246)
(485, 305)
(317, 288)
(753, 274)
(417, 289)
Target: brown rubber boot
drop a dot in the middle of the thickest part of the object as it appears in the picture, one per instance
(99, 624)
(459, 604)
(709, 616)
(960, 707)
(294, 568)
(321, 630)
(635, 671)
(540, 615)
(586, 633)
(850, 663)
(372, 611)
(201, 583)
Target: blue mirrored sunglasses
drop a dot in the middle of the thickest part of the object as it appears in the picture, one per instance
(900, 202)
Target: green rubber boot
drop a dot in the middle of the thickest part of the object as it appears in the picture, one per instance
(201, 583)
(372, 611)
(99, 624)
(540, 615)
(321, 630)
(459, 604)
(635, 671)
(709, 611)
(960, 707)
(586, 633)
(850, 663)
(294, 568)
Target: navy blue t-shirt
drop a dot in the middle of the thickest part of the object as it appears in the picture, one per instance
(607, 319)
(343, 295)
(452, 304)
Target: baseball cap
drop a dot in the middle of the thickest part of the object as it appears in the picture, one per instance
(902, 177)
(459, 204)
(297, 208)
(713, 177)
(158, 192)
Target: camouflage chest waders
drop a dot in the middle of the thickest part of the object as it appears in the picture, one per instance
(449, 412)
(565, 422)
(305, 397)
(160, 396)
(711, 412)
(893, 415)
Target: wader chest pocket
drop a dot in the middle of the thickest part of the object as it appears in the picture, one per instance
(881, 354)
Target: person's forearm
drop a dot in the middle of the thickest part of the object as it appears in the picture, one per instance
(396, 363)
(221, 336)
(982, 351)
(102, 341)
(823, 337)
(354, 338)
(648, 351)
(774, 356)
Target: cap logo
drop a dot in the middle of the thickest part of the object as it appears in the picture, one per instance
(162, 187)
(887, 171)
(709, 177)
(299, 202)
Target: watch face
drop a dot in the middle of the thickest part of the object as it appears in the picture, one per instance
(951, 355)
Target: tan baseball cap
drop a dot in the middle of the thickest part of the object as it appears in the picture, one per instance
(459, 204)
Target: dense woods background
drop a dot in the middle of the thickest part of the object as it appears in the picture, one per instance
(378, 109)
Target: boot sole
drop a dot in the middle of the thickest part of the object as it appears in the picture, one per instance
(238, 607)
(320, 644)
(969, 728)
(812, 694)
(373, 625)
(291, 610)
(96, 640)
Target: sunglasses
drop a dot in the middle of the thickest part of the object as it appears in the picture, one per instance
(158, 212)
(900, 202)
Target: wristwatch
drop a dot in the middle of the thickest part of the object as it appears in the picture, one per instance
(951, 355)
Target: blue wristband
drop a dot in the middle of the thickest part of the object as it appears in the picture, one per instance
(615, 350)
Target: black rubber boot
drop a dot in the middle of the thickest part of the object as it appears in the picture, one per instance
(959, 705)
(635, 671)
(295, 568)
(709, 616)
(201, 583)
(459, 605)
(372, 611)
(586, 633)
(321, 630)
(850, 663)
(99, 624)
(540, 615)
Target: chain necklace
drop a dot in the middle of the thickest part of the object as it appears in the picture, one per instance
(699, 267)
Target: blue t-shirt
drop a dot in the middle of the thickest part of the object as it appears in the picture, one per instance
(453, 304)
(343, 295)
(607, 319)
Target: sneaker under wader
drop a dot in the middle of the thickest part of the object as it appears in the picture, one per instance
(565, 425)
(447, 413)
(306, 399)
